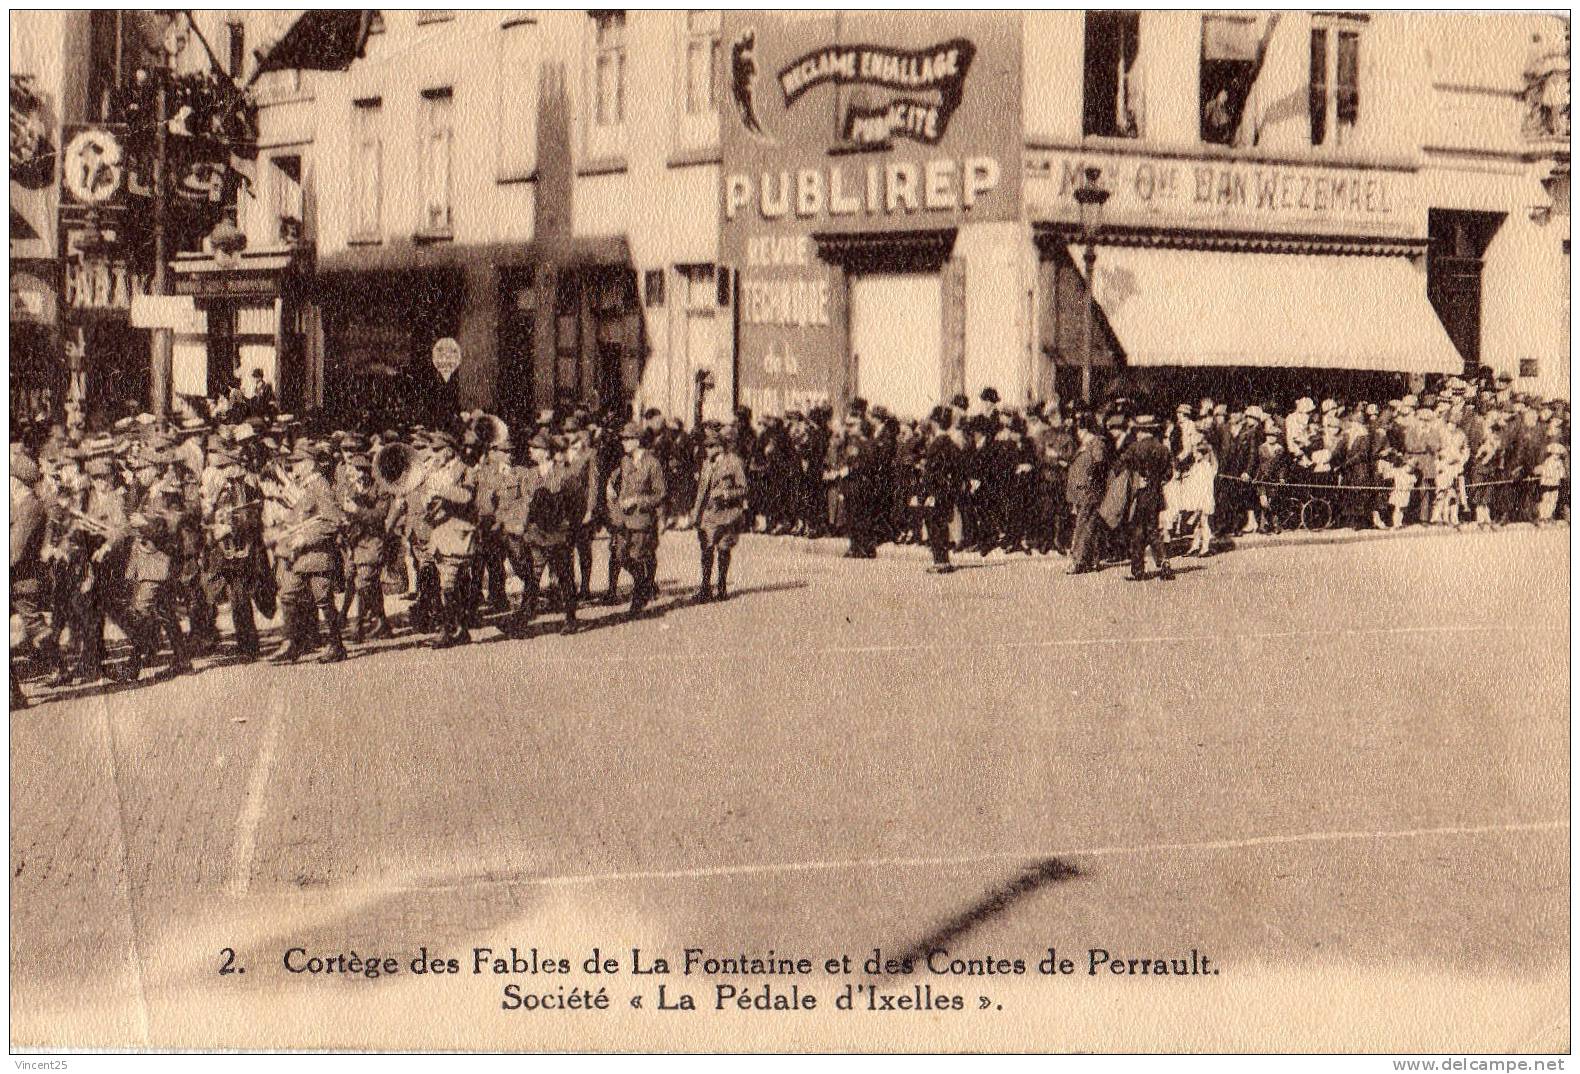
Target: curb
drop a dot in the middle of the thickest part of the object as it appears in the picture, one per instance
(835, 546)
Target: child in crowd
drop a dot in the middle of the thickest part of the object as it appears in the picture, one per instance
(1551, 472)
(1402, 477)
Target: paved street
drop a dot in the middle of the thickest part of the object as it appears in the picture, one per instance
(1340, 771)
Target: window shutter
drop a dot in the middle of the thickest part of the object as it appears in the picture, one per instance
(952, 363)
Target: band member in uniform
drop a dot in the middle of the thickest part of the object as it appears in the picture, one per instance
(368, 510)
(418, 530)
(550, 498)
(154, 570)
(235, 528)
(451, 509)
(583, 464)
(103, 531)
(29, 525)
(636, 493)
(719, 514)
(307, 552)
(493, 470)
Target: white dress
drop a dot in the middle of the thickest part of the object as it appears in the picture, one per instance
(1199, 485)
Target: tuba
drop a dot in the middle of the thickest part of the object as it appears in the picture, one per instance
(393, 465)
(489, 431)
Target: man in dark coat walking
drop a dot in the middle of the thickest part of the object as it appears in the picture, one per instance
(1147, 462)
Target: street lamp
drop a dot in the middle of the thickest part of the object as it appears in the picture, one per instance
(1090, 196)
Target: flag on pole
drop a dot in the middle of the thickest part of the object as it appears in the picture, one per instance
(318, 41)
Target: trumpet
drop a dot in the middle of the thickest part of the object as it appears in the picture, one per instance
(287, 533)
(91, 524)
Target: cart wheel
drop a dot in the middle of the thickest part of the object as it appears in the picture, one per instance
(1287, 512)
(1317, 514)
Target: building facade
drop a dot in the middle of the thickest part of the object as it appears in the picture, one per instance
(700, 210)
(538, 187)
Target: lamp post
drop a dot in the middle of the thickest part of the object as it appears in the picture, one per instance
(1091, 196)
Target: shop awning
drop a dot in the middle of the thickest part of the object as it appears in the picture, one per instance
(1288, 311)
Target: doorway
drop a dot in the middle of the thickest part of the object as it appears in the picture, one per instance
(896, 340)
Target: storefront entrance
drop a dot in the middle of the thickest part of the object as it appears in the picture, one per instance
(896, 340)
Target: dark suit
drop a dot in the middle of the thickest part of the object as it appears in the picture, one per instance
(1148, 463)
(941, 463)
(553, 500)
(584, 469)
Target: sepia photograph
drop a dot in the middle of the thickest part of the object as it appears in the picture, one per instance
(790, 531)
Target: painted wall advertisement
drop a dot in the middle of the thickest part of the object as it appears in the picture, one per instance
(841, 123)
(1257, 196)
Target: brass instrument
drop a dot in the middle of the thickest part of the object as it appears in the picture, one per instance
(91, 524)
(393, 467)
(399, 469)
(489, 430)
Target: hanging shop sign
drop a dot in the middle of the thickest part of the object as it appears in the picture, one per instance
(93, 167)
(97, 275)
(446, 357)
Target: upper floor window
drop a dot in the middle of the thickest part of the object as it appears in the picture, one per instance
(367, 168)
(438, 136)
(1231, 49)
(1112, 92)
(609, 69)
(1335, 98)
(285, 197)
(702, 62)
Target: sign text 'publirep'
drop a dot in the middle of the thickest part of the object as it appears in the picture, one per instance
(892, 187)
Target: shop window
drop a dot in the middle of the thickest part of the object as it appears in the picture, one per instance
(653, 286)
(437, 149)
(367, 170)
(1230, 47)
(1112, 92)
(1335, 97)
(609, 69)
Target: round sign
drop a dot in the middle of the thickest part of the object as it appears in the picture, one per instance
(93, 172)
(446, 357)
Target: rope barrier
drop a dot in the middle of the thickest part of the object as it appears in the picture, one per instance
(1422, 486)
